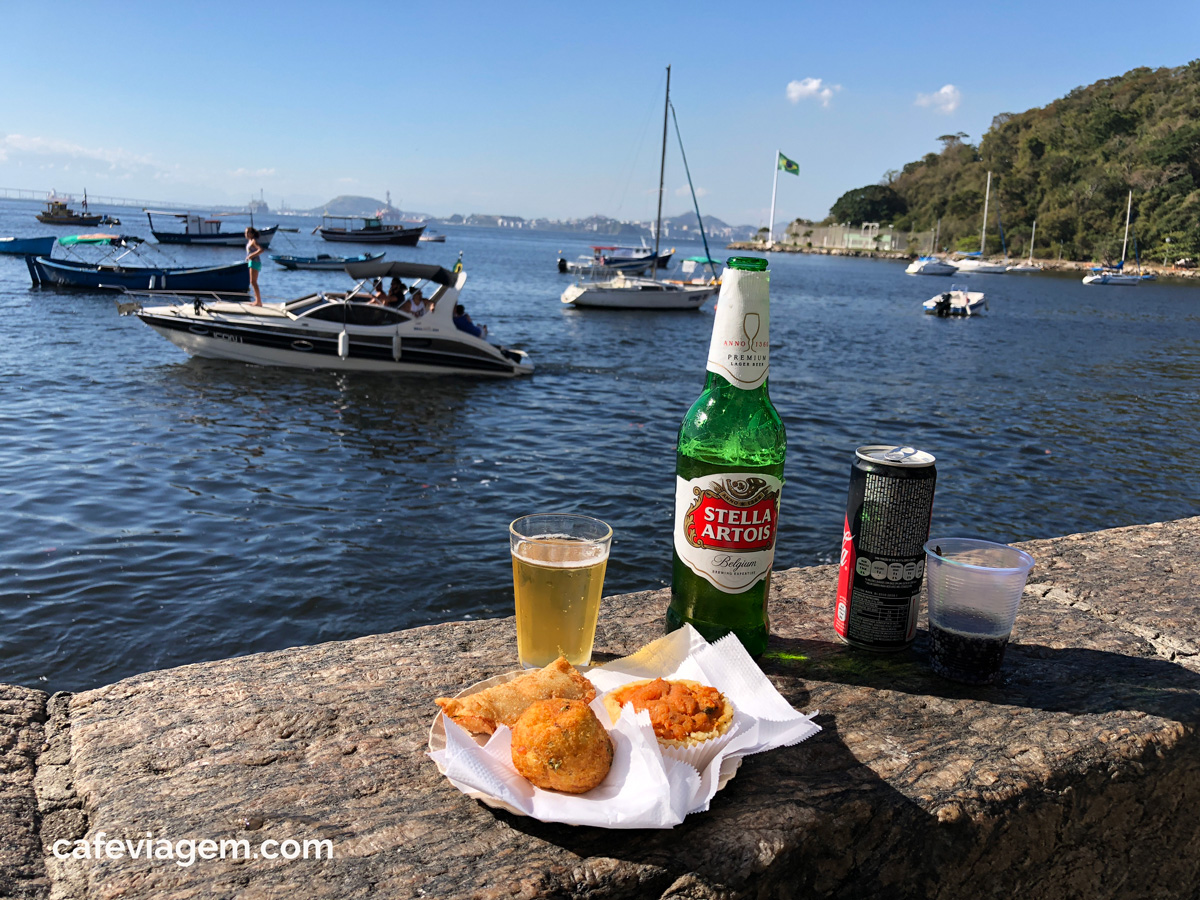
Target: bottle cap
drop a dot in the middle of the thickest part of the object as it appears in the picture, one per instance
(747, 263)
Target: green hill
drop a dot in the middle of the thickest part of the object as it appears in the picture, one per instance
(1070, 165)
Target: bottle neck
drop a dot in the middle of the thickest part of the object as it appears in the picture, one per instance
(740, 348)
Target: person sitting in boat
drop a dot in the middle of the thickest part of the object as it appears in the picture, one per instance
(463, 322)
(378, 294)
(415, 304)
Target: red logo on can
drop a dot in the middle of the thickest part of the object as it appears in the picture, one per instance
(845, 580)
(736, 514)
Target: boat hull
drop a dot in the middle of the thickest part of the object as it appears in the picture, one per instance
(294, 348)
(930, 267)
(220, 239)
(324, 263)
(47, 219)
(388, 234)
(971, 267)
(1114, 279)
(962, 303)
(664, 296)
(72, 274)
(38, 246)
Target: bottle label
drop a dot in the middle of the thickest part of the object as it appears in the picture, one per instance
(741, 332)
(725, 527)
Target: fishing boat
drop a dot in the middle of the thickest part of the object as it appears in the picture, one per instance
(198, 230)
(630, 260)
(324, 262)
(957, 301)
(57, 212)
(623, 291)
(340, 331)
(976, 263)
(1116, 275)
(34, 246)
(372, 231)
(1029, 266)
(112, 272)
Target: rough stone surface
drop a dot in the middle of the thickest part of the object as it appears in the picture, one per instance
(1077, 776)
(22, 714)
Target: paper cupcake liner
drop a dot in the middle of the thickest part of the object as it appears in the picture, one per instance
(698, 756)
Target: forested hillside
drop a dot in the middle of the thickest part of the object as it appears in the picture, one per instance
(1069, 165)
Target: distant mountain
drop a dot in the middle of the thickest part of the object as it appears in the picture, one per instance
(354, 205)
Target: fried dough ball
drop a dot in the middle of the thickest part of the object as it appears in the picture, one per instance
(560, 745)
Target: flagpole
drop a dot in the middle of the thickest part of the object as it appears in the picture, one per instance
(774, 188)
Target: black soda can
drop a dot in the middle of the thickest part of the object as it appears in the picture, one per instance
(888, 511)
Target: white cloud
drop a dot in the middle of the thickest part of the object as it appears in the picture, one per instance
(944, 101)
(257, 173)
(812, 87)
(682, 191)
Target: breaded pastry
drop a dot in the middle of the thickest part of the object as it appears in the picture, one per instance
(560, 745)
(683, 713)
(480, 713)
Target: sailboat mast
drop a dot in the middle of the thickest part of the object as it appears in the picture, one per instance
(983, 234)
(937, 235)
(662, 172)
(1032, 238)
(1128, 210)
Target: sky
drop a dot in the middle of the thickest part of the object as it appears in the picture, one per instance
(533, 109)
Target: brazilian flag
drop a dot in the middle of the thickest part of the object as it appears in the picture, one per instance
(788, 165)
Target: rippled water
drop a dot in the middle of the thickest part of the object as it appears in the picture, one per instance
(159, 510)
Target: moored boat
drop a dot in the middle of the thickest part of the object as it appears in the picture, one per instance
(372, 231)
(324, 262)
(199, 230)
(337, 331)
(433, 237)
(34, 246)
(930, 265)
(57, 212)
(111, 273)
(1116, 275)
(630, 260)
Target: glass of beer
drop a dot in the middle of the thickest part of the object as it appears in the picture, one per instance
(558, 576)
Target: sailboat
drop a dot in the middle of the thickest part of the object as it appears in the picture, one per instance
(974, 263)
(623, 291)
(1029, 265)
(1116, 274)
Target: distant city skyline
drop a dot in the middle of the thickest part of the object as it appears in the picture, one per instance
(532, 110)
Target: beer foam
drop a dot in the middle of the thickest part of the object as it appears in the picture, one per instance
(560, 551)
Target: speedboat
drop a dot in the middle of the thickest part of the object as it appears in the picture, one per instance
(199, 230)
(336, 331)
(432, 237)
(630, 260)
(930, 265)
(324, 262)
(113, 272)
(1112, 275)
(973, 264)
(630, 292)
(957, 301)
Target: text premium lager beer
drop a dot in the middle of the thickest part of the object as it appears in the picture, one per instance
(729, 473)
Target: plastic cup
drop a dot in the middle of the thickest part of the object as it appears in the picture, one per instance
(973, 590)
(558, 577)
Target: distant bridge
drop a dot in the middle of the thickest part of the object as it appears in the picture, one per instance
(102, 200)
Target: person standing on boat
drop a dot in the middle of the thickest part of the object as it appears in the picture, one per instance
(253, 252)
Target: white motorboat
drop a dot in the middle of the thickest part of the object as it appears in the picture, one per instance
(930, 265)
(623, 291)
(630, 292)
(957, 301)
(1029, 266)
(608, 259)
(337, 331)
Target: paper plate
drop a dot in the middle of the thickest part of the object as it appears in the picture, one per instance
(437, 741)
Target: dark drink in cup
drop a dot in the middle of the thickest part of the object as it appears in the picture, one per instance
(958, 651)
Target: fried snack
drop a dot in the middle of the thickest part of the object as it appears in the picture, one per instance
(683, 713)
(560, 745)
(502, 704)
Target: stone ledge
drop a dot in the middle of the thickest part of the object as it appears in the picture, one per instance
(1079, 776)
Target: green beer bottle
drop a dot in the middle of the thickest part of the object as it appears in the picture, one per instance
(729, 473)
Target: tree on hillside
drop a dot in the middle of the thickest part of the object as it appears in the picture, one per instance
(873, 203)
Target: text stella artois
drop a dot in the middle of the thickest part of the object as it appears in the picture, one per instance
(729, 473)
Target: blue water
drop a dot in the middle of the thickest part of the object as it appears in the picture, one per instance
(159, 510)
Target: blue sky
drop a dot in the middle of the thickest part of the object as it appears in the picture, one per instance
(533, 109)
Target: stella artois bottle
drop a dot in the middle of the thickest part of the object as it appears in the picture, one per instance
(729, 473)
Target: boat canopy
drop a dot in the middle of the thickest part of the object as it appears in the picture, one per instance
(115, 240)
(398, 269)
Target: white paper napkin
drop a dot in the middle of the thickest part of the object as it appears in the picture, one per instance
(643, 789)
